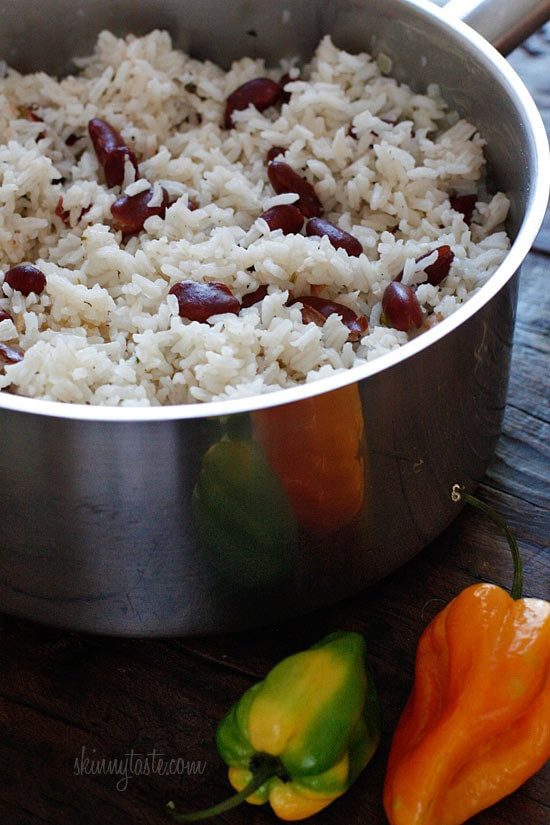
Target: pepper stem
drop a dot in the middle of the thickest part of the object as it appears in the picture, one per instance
(458, 494)
(266, 768)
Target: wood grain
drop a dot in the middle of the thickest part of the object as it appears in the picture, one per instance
(67, 697)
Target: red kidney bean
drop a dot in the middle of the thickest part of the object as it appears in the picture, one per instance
(4, 315)
(131, 211)
(440, 268)
(26, 278)
(10, 355)
(198, 302)
(311, 315)
(400, 307)
(255, 297)
(286, 78)
(464, 204)
(65, 215)
(318, 309)
(30, 114)
(112, 153)
(261, 92)
(339, 238)
(62, 213)
(285, 216)
(284, 179)
(274, 152)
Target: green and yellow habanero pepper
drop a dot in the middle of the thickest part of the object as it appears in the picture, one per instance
(242, 515)
(302, 736)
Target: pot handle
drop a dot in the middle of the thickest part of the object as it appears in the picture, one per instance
(504, 23)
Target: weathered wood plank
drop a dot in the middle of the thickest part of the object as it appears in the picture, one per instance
(532, 62)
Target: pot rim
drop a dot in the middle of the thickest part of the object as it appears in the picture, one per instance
(530, 225)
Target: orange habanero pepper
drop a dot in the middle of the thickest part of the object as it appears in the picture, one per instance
(314, 446)
(477, 723)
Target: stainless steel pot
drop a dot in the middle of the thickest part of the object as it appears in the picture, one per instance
(97, 528)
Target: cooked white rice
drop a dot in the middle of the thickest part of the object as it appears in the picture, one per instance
(106, 331)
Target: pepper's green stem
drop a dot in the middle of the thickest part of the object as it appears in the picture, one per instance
(265, 768)
(517, 583)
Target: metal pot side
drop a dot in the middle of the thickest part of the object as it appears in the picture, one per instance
(98, 507)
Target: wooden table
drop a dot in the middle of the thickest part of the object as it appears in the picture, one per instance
(72, 704)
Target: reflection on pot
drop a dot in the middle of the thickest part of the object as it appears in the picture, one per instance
(315, 447)
(244, 521)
